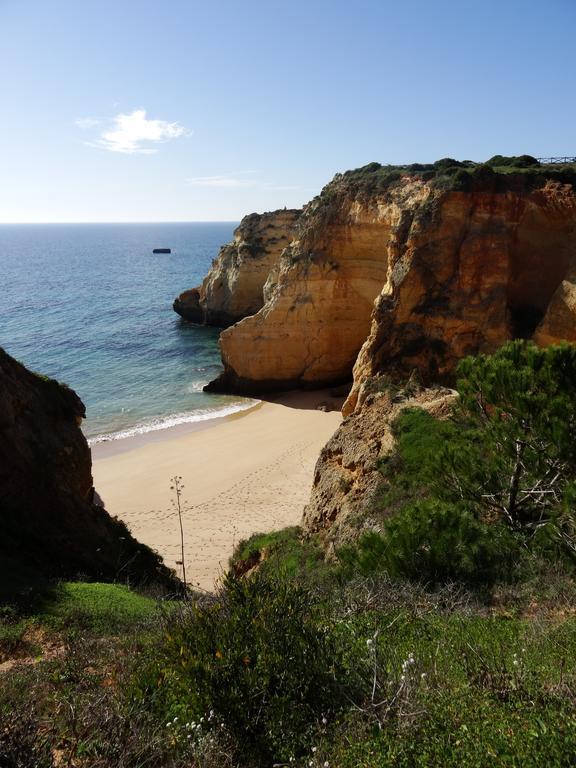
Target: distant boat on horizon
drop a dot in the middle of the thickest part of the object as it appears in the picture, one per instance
(162, 250)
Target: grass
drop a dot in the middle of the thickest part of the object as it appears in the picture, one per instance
(282, 553)
(71, 695)
(100, 608)
(12, 640)
(487, 685)
(481, 691)
(262, 542)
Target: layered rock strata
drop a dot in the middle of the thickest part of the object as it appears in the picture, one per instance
(49, 521)
(399, 270)
(234, 286)
(318, 309)
(487, 267)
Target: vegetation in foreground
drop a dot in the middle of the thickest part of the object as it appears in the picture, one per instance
(447, 637)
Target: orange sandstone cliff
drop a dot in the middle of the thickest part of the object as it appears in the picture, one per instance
(234, 287)
(489, 266)
(396, 269)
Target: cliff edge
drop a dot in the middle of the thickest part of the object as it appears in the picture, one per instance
(50, 524)
(235, 284)
(392, 269)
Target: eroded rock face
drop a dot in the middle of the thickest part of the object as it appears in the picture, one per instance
(487, 267)
(559, 321)
(234, 286)
(320, 301)
(412, 273)
(49, 523)
(347, 481)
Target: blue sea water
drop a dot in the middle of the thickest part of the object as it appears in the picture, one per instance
(91, 305)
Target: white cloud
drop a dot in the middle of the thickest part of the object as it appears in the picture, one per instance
(133, 133)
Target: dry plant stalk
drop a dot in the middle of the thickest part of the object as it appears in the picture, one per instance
(178, 487)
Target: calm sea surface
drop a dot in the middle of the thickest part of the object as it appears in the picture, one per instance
(90, 305)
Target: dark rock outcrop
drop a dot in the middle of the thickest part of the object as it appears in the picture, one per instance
(50, 524)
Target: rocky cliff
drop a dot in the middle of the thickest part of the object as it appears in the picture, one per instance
(234, 287)
(317, 313)
(49, 521)
(484, 266)
(347, 481)
(395, 269)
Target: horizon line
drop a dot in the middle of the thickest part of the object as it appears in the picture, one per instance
(167, 221)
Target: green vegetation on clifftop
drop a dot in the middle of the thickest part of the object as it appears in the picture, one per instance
(499, 174)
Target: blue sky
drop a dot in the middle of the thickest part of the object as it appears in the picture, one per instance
(141, 110)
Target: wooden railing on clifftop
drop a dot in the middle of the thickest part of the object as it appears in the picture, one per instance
(554, 160)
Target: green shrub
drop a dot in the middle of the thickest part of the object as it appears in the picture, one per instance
(521, 161)
(365, 557)
(257, 658)
(461, 180)
(434, 542)
(410, 471)
(446, 163)
(507, 455)
(283, 554)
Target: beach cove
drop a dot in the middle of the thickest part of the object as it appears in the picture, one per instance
(243, 474)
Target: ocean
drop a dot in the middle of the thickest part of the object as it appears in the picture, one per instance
(91, 306)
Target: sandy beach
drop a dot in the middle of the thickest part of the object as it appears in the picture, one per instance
(243, 474)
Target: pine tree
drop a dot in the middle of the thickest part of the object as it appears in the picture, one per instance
(515, 457)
